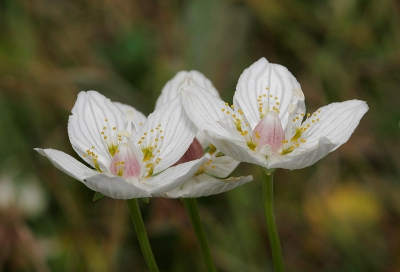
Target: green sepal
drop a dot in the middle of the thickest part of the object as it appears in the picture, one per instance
(97, 196)
(145, 199)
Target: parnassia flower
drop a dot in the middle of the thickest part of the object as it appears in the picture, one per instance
(267, 124)
(132, 157)
(210, 178)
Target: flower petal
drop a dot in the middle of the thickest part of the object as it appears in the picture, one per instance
(253, 83)
(302, 156)
(205, 185)
(172, 177)
(337, 121)
(205, 110)
(116, 187)
(182, 79)
(66, 163)
(237, 150)
(133, 115)
(221, 167)
(86, 123)
(172, 130)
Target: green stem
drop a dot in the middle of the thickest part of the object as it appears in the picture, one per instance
(268, 195)
(193, 212)
(141, 234)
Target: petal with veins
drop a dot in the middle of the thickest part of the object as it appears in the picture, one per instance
(205, 185)
(66, 163)
(337, 121)
(90, 114)
(183, 79)
(236, 150)
(205, 110)
(172, 177)
(253, 83)
(167, 134)
(302, 157)
(221, 167)
(116, 187)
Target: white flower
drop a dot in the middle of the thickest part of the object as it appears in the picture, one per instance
(211, 176)
(267, 124)
(132, 156)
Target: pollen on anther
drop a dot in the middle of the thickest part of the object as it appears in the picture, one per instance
(223, 109)
(114, 128)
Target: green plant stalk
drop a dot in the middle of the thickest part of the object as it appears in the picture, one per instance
(194, 217)
(141, 234)
(268, 195)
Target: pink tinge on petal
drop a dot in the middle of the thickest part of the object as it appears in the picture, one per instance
(194, 152)
(269, 131)
(125, 164)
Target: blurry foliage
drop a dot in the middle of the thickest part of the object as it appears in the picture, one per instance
(342, 214)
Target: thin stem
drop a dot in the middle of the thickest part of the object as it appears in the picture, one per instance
(193, 212)
(268, 195)
(141, 234)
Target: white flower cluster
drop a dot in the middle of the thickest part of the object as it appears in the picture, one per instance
(193, 140)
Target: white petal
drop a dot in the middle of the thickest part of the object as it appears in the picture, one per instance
(115, 187)
(205, 185)
(337, 121)
(177, 132)
(221, 167)
(205, 110)
(133, 115)
(235, 149)
(253, 83)
(182, 79)
(87, 121)
(302, 156)
(67, 164)
(172, 177)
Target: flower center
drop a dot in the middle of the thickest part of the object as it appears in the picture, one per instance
(269, 133)
(124, 163)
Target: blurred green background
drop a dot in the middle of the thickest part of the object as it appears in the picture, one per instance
(341, 214)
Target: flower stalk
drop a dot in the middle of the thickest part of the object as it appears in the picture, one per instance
(194, 217)
(142, 234)
(268, 198)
